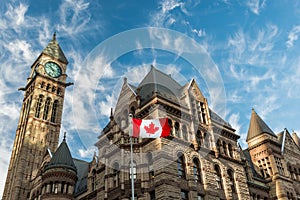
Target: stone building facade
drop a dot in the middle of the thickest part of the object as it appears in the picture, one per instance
(201, 159)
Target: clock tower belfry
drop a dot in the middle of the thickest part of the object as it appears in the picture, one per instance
(40, 120)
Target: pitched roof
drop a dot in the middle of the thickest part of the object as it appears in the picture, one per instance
(158, 82)
(53, 49)
(62, 157)
(82, 175)
(257, 127)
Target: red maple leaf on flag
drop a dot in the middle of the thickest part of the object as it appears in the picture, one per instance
(151, 129)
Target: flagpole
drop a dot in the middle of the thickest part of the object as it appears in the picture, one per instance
(131, 155)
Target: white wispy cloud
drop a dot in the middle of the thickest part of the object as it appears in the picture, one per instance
(256, 6)
(293, 36)
(164, 17)
(246, 48)
(74, 16)
(16, 14)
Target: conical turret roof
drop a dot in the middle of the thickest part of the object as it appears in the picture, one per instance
(53, 49)
(258, 126)
(62, 157)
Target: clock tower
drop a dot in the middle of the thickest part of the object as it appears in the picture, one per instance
(40, 120)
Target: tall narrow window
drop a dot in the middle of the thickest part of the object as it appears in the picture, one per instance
(38, 106)
(184, 132)
(199, 138)
(230, 150)
(170, 123)
(54, 111)
(231, 180)
(46, 108)
(116, 174)
(93, 180)
(152, 195)
(225, 148)
(176, 129)
(203, 115)
(218, 177)
(181, 166)
(196, 170)
(132, 170)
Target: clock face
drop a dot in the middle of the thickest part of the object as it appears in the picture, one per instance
(52, 69)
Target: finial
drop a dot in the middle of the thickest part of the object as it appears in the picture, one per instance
(64, 136)
(125, 79)
(152, 66)
(111, 114)
(54, 36)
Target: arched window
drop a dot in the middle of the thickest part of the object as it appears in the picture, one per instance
(170, 123)
(48, 86)
(47, 108)
(53, 89)
(180, 165)
(176, 129)
(219, 146)
(184, 132)
(38, 106)
(197, 170)
(230, 151)
(199, 138)
(132, 170)
(58, 91)
(203, 113)
(93, 180)
(42, 84)
(231, 180)
(224, 148)
(116, 172)
(218, 177)
(54, 111)
(132, 110)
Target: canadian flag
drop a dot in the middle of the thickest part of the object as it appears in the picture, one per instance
(153, 128)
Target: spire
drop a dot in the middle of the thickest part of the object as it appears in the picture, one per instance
(64, 136)
(53, 49)
(62, 157)
(258, 126)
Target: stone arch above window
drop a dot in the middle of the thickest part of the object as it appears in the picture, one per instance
(177, 128)
(230, 174)
(54, 111)
(181, 165)
(218, 176)
(197, 170)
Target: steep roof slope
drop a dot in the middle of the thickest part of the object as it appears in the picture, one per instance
(53, 49)
(257, 127)
(62, 157)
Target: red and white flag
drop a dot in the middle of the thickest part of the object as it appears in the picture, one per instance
(153, 128)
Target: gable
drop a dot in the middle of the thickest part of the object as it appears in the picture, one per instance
(289, 144)
(124, 98)
(195, 90)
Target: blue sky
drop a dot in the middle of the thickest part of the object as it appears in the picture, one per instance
(251, 47)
